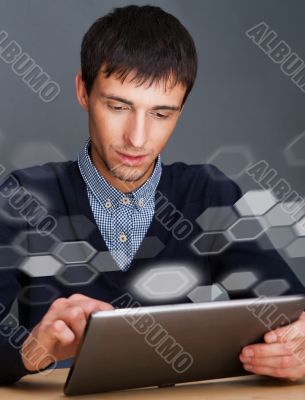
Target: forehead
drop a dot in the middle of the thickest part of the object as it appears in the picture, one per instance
(156, 93)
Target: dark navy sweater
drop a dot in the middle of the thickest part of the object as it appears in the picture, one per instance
(59, 187)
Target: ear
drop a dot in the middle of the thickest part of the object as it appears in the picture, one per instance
(81, 92)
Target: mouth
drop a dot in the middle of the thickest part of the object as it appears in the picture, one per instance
(130, 159)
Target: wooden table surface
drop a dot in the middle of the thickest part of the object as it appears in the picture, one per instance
(34, 387)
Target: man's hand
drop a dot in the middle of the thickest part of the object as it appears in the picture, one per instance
(60, 330)
(282, 355)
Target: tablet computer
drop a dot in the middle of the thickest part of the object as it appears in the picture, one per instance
(165, 345)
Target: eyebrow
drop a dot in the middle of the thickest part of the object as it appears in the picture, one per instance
(130, 103)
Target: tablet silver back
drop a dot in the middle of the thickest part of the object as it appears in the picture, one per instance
(164, 345)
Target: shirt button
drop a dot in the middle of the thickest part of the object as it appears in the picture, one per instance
(108, 204)
(125, 201)
(141, 202)
(122, 237)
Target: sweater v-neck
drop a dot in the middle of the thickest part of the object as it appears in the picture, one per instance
(82, 207)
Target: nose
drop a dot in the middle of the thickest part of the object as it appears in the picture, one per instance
(136, 130)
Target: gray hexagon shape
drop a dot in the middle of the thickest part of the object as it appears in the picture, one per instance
(299, 227)
(217, 218)
(232, 160)
(76, 274)
(74, 252)
(215, 292)
(46, 294)
(150, 247)
(276, 237)
(104, 262)
(211, 243)
(10, 257)
(295, 150)
(84, 227)
(38, 266)
(255, 203)
(280, 216)
(33, 242)
(272, 287)
(165, 282)
(239, 281)
(296, 249)
(245, 229)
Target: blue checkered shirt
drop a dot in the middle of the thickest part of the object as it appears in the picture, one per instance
(122, 218)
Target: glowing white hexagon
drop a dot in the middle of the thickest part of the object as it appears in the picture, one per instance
(38, 266)
(255, 202)
(164, 278)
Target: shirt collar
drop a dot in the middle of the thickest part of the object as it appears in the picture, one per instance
(110, 197)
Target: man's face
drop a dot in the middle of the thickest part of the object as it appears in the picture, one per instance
(127, 120)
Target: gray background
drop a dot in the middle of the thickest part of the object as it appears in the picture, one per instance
(241, 98)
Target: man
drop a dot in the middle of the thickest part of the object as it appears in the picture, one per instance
(138, 65)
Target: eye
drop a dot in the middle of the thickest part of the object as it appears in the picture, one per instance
(161, 116)
(116, 108)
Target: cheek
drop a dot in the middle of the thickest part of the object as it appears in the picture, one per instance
(105, 126)
(160, 135)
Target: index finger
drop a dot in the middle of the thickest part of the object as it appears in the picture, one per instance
(267, 350)
(89, 304)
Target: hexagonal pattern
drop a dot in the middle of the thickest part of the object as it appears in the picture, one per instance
(296, 248)
(272, 287)
(276, 237)
(10, 257)
(255, 202)
(38, 266)
(104, 262)
(299, 227)
(38, 294)
(165, 282)
(295, 150)
(217, 218)
(74, 252)
(232, 160)
(202, 294)
(150, 247)
(76, 274)
(210, 243)
(239, 281)
(248, 228)
(33, 242)
(279, 215)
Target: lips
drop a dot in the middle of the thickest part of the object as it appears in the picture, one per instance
(131, 159)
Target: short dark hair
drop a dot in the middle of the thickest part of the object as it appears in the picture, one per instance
(144, 39)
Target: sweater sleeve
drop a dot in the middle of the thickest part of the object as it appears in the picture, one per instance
(11, 281)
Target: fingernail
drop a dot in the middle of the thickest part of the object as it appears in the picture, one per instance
(271, 337)
(248, 366)
(249, 353)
